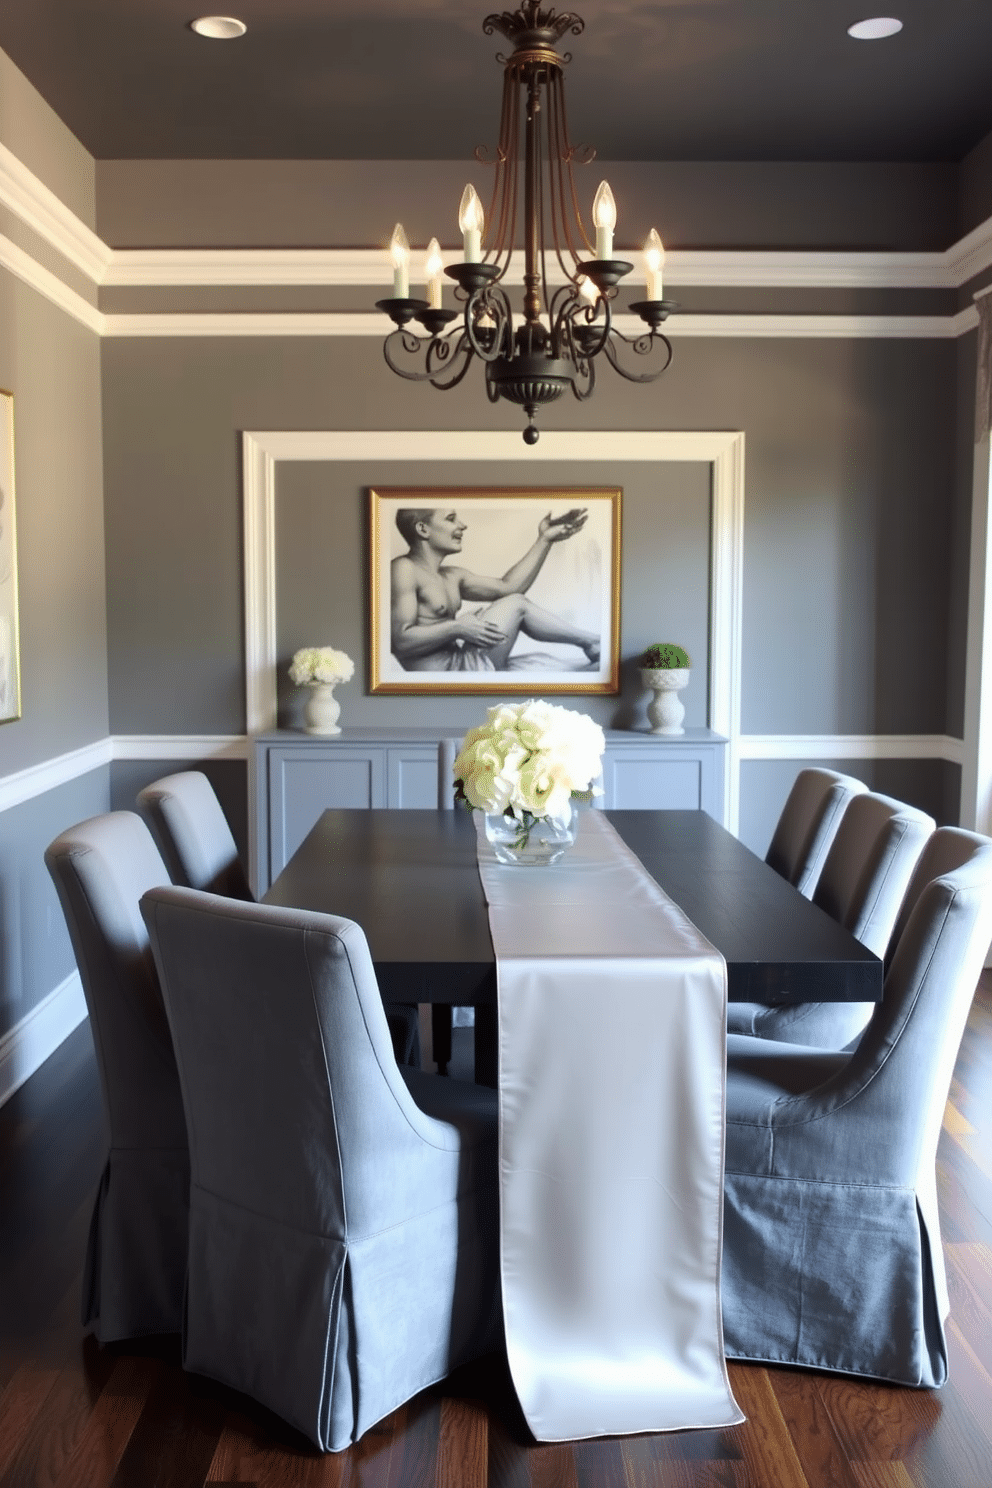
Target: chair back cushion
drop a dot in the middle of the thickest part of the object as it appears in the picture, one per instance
(295, 1104)
(100, 869)
(342, 1249)
(808, 824)
(135, 1267)
(192, 831)
(869, 866)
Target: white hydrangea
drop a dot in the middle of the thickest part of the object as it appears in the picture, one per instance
(320, 664)
(530, 758)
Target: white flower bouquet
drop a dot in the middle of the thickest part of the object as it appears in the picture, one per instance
(528, 761)
(316, 664)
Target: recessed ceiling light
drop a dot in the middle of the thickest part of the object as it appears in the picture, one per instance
(875, 28)
(219, 28)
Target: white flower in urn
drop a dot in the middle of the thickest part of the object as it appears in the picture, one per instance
(321, 668)
(527, 764)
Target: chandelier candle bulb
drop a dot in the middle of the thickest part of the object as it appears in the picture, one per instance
(434, 268)
(604, 216)
(471, 220)
(654, 263)
(399, 253)
(588, 290)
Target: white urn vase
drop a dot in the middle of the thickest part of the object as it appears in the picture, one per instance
(322, 709)
(665, 710)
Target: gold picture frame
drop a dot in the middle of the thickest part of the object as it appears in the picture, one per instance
(10, 655)
(522, 582)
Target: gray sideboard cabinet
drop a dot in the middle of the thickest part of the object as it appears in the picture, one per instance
(296, 776)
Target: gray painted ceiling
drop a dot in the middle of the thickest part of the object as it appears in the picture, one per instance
(417, 79)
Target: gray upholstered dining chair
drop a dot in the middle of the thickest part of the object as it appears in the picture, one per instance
(832, 1255)
(808, 825)
(135, 1266)
(189, 824)
(862, 884)
(343, 1245)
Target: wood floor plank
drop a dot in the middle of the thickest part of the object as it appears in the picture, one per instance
(876, 1422)
(969, 1282)
(816, 1443)
(106, 1434)
(882, 1475)
(21, 1402)
(599, 1463)
(657, 1462)
(766, 1446)
(56, 1429)
(176, 1437)
(552, 1465)
(463, 1445)
(511, 1453)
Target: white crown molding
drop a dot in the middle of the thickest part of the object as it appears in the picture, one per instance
(330, 324)
(47, 215)
(338, 268)
(41, 210)
(38, 1034)
(27, 269)
(970, 255)
(851, 746)
(349, 268)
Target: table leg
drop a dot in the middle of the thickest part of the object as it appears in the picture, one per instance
(441, 1034)
(486, 1045)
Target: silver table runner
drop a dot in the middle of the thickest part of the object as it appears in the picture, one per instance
(612, 1015)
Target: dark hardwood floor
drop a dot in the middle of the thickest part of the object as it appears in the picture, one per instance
(73, 1415)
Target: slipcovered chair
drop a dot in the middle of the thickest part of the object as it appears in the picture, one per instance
(832, 1256)
(189, 824)
(191, 829)
(135, 1266)
(808, 825)
(343, 1247)
(862, 884)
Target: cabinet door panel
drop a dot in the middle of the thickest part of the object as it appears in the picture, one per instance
(302, 786)
(652, 784)
(412, 779)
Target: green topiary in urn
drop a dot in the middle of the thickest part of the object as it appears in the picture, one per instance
(665, 670)
(664, 656)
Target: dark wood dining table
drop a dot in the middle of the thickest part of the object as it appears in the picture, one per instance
(410, 879)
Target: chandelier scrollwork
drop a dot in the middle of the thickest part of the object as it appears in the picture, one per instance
(553, 347)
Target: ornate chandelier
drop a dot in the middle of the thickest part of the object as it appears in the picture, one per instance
(556, 344)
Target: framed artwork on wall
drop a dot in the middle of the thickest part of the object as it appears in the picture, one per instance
(494, 589)
(10, 670)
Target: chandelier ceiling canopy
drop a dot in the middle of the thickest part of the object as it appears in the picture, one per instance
(553, 346)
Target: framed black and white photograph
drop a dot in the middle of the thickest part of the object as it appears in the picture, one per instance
(10, 676)
(494, 589)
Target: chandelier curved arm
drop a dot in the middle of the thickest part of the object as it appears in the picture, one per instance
(577, 325)
(641, 346)
(441, 355)
(584, 382)
(448, 359)
(489, 342)
(411, 345)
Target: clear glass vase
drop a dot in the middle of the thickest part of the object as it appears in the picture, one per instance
(530, 841)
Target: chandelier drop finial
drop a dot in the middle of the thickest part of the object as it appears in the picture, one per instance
(554, 345)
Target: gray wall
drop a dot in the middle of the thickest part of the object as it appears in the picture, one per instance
(52, 366)
(850, 472)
